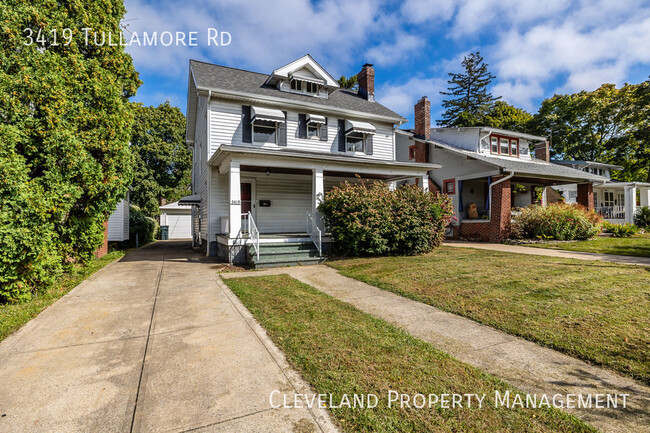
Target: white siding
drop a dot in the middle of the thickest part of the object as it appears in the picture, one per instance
(226, 128)
(201, 168)
(179, 222)
(118, 222)
(461, 138)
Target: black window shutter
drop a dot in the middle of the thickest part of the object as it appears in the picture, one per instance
(246, 129)
(323, 131)
(282, 132)
(341, 135)
(302, 125)
(369, 144)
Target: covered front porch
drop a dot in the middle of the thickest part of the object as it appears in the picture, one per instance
(263, 198)
(617, 202)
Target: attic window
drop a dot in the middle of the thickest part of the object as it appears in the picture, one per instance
(296, 85)
(503, 145)
(312, 87)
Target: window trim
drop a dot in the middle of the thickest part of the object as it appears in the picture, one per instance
(445, 186)
(499, 137)
(313, 125)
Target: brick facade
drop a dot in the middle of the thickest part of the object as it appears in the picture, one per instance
(421, 151)
(101, 251)
(586, 195)
(498, 228)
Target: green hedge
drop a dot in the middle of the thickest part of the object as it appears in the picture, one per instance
(621, 230)
(142, 227)
(556, 221)
(370, 219)
(642, 218)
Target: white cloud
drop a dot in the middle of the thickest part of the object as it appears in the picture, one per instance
(401, 97)
(387, 53)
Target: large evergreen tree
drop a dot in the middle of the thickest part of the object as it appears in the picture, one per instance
(163, 162)
(470, 99)
(66, 123)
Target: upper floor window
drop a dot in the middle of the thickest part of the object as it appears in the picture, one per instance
(305, 86)
(355, 142)
(265, 131)
(296, 85)
(412, 152)
(504, 145)
(313, 130)
(312, 88)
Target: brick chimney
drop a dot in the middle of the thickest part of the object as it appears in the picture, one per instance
(366, 81)
(543, 151)
(423, 118)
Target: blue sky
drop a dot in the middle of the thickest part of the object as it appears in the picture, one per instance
(535, 48)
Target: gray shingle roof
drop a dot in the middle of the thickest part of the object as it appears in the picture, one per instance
(215, 77)
(526, 167)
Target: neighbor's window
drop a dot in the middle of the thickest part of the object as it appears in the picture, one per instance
(265, 131)
(449, 186)
(296, 85)
(412, 152)
(354, 142)
(313, 130)
(504, 145)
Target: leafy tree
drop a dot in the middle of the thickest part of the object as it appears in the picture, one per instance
(505, 116)
(607, 125)
(163, 163)
(348, 83)
(66, 122)
(470, 100)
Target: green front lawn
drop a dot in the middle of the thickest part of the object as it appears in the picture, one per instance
(638, 245)
(594, 311)
(13, 316)
(341, 350)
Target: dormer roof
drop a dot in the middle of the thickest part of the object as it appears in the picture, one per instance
(306, 69)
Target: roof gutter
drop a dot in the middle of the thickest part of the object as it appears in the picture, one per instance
(503, 179)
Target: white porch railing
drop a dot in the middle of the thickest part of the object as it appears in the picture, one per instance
(315, 232)
(611, 212)
(249, 227)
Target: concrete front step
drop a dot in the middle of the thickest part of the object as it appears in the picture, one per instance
(284, 254)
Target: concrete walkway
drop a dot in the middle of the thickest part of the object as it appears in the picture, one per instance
(531, 368)
(519, 249)
(154, 342)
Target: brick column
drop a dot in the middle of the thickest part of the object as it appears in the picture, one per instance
(103, 250)
(421, 151)
(586, 195)
(500, 211)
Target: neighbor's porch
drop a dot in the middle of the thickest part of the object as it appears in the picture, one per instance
(618, 202)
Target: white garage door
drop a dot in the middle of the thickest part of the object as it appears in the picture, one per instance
(180, 226)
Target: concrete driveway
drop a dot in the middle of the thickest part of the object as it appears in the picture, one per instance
(154, 342)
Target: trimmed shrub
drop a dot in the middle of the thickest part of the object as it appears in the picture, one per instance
(556, 221)
(621, 230)
(642, 218)
(367, 218)
(141, 225)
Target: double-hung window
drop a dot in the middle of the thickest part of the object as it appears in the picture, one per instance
(355, 141)
(265, 131)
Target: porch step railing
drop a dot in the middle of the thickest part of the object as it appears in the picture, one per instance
(315, 232)
(611, 212)
(252, 232)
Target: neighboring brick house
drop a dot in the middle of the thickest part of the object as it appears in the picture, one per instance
(487, 172)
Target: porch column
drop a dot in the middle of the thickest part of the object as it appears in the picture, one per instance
(645, 196)
(392, 185)
(586, 195)
(234, 197)
(317, 188)
(425, 182)
(630, 204)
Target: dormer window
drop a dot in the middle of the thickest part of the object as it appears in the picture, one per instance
(312, 88)
(503, 145)
(296, 85)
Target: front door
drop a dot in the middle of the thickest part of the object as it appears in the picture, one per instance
(247, 203)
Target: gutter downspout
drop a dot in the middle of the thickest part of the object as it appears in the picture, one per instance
(503, 179)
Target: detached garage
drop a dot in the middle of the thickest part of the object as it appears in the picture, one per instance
(178, 219)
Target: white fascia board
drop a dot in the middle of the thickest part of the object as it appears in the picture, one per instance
(285, 103)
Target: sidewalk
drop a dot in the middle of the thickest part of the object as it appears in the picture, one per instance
(531, 368)
(154, 342)
(518, 249)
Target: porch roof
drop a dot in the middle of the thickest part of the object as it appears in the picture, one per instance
(624, 184)
(541, 169)
(328, 160)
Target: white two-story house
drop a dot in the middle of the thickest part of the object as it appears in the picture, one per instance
(615, 201)
(268, 146)
(487, 172)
